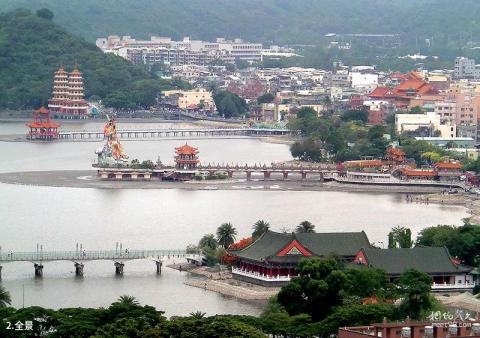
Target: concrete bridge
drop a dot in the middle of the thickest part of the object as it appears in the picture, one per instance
(79, 257)
(162, 133)
(322, 171)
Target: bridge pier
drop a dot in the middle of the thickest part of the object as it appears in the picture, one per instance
(230, 174)
(285, 175)
(249, 175)
(1, 272)
(304, 175)
(78, 269)
(38, 269)
(266, 174)
(321, 177)
(159, 267)
(119, 268)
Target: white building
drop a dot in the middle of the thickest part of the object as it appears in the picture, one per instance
(184, 52)
(464, 68)
(364, 81)
(189, 99)
(411, 122)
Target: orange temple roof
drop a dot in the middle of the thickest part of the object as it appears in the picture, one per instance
(418, 172)
(42, 110)
(448, 165)
(43, 124)
(364, 163)
(186, 150)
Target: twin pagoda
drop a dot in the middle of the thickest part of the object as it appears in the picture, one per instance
(67, 99)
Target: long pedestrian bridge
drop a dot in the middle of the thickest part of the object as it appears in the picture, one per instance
(79, 257)
(180, 132)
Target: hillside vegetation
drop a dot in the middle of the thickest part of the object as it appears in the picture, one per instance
(279, 21)
(32, 48)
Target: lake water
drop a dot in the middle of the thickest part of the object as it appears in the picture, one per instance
(58, 218)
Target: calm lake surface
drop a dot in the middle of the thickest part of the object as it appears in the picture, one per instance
(58, 218)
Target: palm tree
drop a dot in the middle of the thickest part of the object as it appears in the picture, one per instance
(208, 241)
(197, 315)
(259, 228)
(5, 299)
(128, 300)
(305, 226)
(226, 234)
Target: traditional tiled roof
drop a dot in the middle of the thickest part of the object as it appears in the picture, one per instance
(418, 172)
(186, 150)
(448, 165)
(47, 124)
(380, 92)
(363, 163)
(271, 246)
(41, 110)
(431, 260)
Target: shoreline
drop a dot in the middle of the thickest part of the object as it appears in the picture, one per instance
(89, 179)
(218, 280)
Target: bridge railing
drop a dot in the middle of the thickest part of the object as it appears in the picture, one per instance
(87, 255)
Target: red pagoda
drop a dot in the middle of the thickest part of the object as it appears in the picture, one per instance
(186, 160)
(42, 128)
(67, 98)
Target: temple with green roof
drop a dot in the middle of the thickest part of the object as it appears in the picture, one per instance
(271, 260)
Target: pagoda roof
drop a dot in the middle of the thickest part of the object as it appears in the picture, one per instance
(46, 124)
(186, 150)
(429, 260)
(42, 110)
(291, 247)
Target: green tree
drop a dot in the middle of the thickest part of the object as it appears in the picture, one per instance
(208, 241)
(414, 289)
(5, 298)
(368, 282)
(317, 289)
(265, 98)
(45, 13)
(226, 234)
(355, 115)
(229, 104)
(440, 235)
(305, 226)
(259, 228)
(400, 237)
(128, 300)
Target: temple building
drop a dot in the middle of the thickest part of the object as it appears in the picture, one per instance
(186, 161)
(67, 99)
(42, 127)
(411, 87)
(447, 273)
(271, 260)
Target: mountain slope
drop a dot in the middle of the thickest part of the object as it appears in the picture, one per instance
(32, 48)
(282, 21)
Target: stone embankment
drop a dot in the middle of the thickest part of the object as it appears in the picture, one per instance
(221, 281)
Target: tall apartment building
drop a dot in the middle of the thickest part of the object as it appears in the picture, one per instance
(464, 68)
(160, 50)
(460, 106)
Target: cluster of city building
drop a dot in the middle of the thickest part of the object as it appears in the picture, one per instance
(164, 50)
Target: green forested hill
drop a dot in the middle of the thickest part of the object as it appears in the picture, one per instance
(32, 48)
(282, 21)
